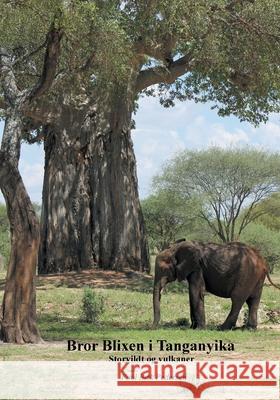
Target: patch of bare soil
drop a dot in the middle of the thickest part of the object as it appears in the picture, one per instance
(98, 278)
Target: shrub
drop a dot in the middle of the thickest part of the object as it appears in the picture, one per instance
(265, 240)
(92, 306)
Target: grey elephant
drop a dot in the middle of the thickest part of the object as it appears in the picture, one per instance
(232, 270)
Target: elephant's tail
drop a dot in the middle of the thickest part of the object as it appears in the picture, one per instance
(273, 284)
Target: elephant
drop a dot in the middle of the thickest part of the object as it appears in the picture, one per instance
(233, 270)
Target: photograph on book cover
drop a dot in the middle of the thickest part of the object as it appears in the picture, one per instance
(140, 199)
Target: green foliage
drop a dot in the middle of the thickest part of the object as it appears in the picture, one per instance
(269, 212)
(167, 218)
(23, 30)
(224, 182)
(90, 31)
(128, 317)
(24, 24)
(4, 235)
(92, 306)
(235, 63)
(265, 240)
(233, 48)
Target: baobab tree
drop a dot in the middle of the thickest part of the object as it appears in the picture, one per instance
(79, 94)
(65, 119)
(225, 52)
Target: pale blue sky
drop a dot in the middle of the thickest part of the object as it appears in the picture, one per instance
(160, 133)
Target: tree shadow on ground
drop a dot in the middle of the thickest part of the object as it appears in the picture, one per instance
(54, 328)
(58, 328)
(98, 278)
(105, 279)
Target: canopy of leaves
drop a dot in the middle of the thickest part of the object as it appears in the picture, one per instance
(236, 64)
(166, 218)
(169, 218)
(265, 240)
(91, 35)
(226, 182)
(229, 48)
(269, 211)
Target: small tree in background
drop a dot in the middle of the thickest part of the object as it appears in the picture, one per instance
(229, 185)
(270, 212)
(265, 240)
(166, 218)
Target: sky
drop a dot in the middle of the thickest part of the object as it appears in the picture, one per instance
(160, 133)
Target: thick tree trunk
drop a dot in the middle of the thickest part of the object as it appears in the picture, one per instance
(18, 324)
(91, 208)
(18, 320)
(118, 234)
(66, 242)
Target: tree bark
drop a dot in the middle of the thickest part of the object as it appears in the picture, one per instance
(118, 233)
(91, 208)
(18, 323)
(66, 243)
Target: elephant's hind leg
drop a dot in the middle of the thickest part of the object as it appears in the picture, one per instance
(253, 304)
(231, 319)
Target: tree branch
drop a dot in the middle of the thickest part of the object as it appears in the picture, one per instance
(160, 48)
(246, 219)
(40, 136)
(26, 56)
(10, 88)
(50, 64)
(152, 76)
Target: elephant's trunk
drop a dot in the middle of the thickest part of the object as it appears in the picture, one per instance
(158, 286)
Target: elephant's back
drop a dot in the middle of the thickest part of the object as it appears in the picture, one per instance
(226, 266)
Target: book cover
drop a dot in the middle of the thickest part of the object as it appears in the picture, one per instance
(139, 208)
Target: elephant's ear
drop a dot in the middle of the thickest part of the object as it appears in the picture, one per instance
(188, 260)
(181, 271)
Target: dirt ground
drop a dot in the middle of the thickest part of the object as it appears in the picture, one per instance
(97, 278)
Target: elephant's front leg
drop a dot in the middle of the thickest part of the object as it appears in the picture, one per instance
(196, 296)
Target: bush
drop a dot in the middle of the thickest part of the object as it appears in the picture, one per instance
(265, 240)
(167, 217)
(92, 306)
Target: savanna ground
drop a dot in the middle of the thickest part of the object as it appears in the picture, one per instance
(128, 316)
